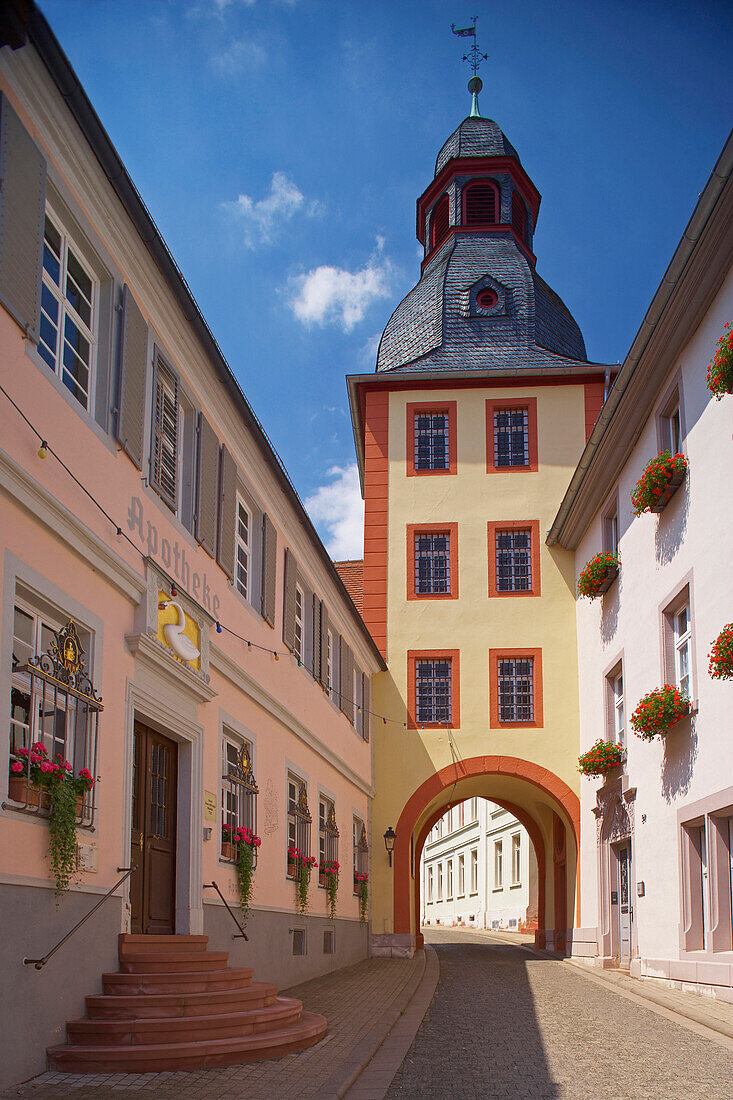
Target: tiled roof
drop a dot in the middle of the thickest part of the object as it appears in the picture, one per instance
(475, 137)
(352, 574)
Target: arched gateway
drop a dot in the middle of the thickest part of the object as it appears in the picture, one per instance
(467, 436)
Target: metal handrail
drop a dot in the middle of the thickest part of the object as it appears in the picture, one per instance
(40, 963)
(242, 934)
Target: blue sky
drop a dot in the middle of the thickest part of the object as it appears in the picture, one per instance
(280, 146)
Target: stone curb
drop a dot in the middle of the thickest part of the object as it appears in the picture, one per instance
(376, 1078)
(339, 1083)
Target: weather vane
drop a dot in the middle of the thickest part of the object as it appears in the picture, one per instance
(474, 57)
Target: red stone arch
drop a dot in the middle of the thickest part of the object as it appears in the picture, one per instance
(558, 791)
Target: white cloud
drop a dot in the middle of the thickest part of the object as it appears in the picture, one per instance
(262, 219)
(329, 295)
(338, 510)
(368, 351)
(240, 55)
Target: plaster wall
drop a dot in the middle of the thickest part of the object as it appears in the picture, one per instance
(690, 542)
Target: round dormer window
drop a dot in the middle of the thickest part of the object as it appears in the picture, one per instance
(486, 299)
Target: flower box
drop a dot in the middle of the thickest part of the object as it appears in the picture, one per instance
(601, 758)
(598, 575)
(660, 480)
(28, 795)
(720, 658)
(658, 711)
(720, 371)
(228, 850)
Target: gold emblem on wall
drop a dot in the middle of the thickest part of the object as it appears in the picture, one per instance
(177, 631)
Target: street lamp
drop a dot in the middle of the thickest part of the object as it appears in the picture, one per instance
(389, 838)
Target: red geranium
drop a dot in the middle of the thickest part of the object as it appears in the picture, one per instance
(599, 759)
(720, 371)
(720, 657)
(594, 573)
(658, 710)
(655, 479)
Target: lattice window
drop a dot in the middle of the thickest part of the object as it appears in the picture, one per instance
(328, 837)
(238, 789)
(433, 690)
(299, 820)
(243, 576)
(511, 437)
(516, 689)
(431, 441)
(432, 564)
(514, 560)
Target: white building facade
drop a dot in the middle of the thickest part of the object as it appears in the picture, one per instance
(478, 870)
(656, 848)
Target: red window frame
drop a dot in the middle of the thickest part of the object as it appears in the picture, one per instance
(531, 525)
(492, 406)
(442, 204)
(415, 655)
(414, 529)
(449, 407)
(496, 655)
(497, 201)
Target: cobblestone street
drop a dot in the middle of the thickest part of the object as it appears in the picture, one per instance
(508, 1025)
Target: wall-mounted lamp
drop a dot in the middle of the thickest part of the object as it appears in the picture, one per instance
(389, 838)
(207, 832)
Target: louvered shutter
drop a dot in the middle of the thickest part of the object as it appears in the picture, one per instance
(133, 378)
(207, 486)
(316, 632)
(22, 212)
(269, 570)
(324, 646)
(291, 578)
(226, 550)
(367, 707)
(164, 441)
(346, 680)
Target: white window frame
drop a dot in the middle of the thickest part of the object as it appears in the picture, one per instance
(449, 880)
(299, 629)
(243, 549)
(238, 806)
(430, 886)
(330, 642)
(461, 875)
(474, 870)
(616, 685)
(516, 859)
(440, 882)
(498, 865)
(65, 308)
(683, 649)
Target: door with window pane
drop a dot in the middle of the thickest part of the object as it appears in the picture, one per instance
(153, 839)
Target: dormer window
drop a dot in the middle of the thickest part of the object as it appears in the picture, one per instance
(519, 217)
(440, 223)
(480, 203)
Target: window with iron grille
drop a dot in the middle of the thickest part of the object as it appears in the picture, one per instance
(511, 437)
(440, 222)
(244, 536)
(69, 309)
(433, 690)
(360, 851)
(238, 790)
(299, 820)
(54, 709)
(514, 560)
(432, 564)
(519, 216)
(431, 441)
(328, 837)
(516, 689)
(479, 203)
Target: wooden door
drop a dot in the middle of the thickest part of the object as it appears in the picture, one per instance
(153, 837)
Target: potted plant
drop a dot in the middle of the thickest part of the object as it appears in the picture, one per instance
(329, 872)
(661, 478)
(362, 889)
(720, 658)
(245, 844)
(228, 842)
(720, 370)
(302, 866)
(600, 758)
(658, 711)
(598, 575)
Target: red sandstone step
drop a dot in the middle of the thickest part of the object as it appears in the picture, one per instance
(184, 1029)
(194, 1055)
(129, 942)
(145, 1006)
(164, 962)
(206, 981)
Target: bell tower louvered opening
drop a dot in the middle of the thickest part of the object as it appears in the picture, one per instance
(440, 222)
(519, 217)
(480, 203)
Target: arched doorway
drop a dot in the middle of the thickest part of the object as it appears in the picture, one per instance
(546, 807)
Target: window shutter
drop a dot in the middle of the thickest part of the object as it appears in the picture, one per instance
(317, 655)
(207, 486)
(227, 512)
(610, 705)
(269, 570)
(22, 212)
(291, 578)
(133, 377)
(324, 646)
(366, 713)
(346, 679)
(166, 418)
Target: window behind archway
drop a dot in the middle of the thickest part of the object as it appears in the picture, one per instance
(440, 222)
(519, 217)
(480, 203)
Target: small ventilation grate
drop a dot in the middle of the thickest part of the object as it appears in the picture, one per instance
(328, 942)
(441, 221)
(480, 204)
(298, 941)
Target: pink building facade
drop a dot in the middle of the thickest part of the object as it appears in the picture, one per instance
(142, 502)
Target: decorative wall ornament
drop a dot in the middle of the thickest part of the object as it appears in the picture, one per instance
(179, 642)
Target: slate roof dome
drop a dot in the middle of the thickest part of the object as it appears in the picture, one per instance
(475, 137)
